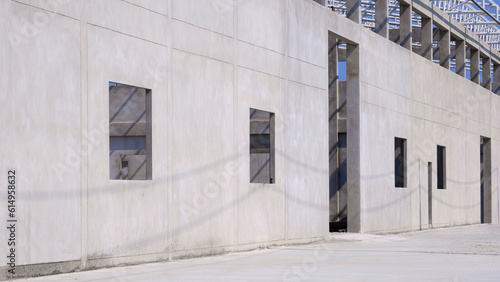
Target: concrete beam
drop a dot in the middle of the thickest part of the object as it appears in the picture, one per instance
(485, 47)
(440, 18)
(495, 56)
(472, 40)
(458, 30)
(381, 18)
(423, 8)
(345, 30)
(405, 2)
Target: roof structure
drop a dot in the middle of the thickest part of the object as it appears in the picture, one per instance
(481, 17)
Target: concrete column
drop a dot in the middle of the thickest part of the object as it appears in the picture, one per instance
(353, 8)
(405, 29)
(474, 65)
(460, 57)
(487, 73)
(354, 140)
(427, 38)
(333, 82)
(381, 17)
(496, 79)
(444, 48)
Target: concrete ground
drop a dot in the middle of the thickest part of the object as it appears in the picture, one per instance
(468, 253)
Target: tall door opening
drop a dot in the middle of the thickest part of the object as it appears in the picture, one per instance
(337, 133)
(429, 192)
(344, 117)
(485, 157)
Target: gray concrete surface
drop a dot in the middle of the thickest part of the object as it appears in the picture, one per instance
(467, 253)
(206, 63)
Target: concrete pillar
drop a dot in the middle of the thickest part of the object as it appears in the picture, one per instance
(474, 65)
(487, 73)
(354, 140)
(460, 57)
(444, 48)
(381, 17)
(427, 38)
(353, 10)
(333, 82)
(405, 28)
(496, 79)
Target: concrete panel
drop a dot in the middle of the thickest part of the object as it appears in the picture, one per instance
(306, 27)
(261, 207)
(305, 73)
(69, 8)
(216, 16)
(116, 15)
(160, 7)
(260, 22)
(379, 127)
(206, 68)
(40, 134)
(388, 70)
(199, 41)
(122, 212)
(203, 152)
(307, 162)
(270, 62)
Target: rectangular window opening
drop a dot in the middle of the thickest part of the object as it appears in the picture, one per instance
(129, 132)
(453, 54)
(416, 33)
(400, 167)
(436, 43)
(441, 167)
(261, 147)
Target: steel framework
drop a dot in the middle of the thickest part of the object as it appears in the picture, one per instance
(481, 17)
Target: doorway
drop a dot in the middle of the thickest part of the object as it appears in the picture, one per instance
(429, 192)
(485, 174)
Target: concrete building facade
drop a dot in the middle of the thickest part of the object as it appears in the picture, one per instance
(144, 130)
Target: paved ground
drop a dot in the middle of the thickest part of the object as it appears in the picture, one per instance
(470, 253)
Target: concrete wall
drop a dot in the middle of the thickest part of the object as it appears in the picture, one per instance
(207, 63)
(198, 58)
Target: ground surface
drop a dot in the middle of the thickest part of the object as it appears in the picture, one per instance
(469, 253)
